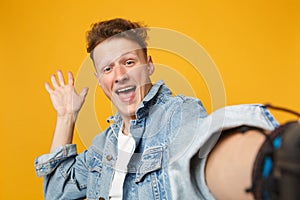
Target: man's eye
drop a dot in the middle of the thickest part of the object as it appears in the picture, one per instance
(129, 62)
(107, 69)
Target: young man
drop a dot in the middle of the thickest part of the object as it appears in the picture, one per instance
(157, 144)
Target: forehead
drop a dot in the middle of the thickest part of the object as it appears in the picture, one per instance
(112, 49)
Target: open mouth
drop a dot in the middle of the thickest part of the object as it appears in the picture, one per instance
(126, 94)
(126, 90)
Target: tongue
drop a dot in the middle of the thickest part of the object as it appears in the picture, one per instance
(127, 96)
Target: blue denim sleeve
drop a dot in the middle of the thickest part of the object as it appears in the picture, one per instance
(64, 172)
(233, 116)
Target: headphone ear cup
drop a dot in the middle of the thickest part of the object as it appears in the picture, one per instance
(287, 163)
(276, 170)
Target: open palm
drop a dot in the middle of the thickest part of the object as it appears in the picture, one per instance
(64, 97)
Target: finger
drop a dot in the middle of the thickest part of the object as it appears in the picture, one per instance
(48, 88)
(53, 80)
(70, 78)
(84, 92)
(60, 78)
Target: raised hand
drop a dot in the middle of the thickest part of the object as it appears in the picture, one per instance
(65, 99)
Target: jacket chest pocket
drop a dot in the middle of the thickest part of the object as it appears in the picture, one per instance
(94, 162)
(143, 164)
(147, 174)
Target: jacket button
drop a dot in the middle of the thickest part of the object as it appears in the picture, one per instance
(108, 157)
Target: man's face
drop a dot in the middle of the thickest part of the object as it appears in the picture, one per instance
(123, 72)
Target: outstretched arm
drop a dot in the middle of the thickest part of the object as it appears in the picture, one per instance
(67, 103)
(229, 165)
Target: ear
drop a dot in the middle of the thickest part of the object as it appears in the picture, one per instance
(150, 66)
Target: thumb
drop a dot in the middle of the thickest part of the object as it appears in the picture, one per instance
(84, 92)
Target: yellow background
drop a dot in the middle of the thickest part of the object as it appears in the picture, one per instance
(255, 45)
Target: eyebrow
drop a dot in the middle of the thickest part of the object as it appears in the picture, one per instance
(107, 63)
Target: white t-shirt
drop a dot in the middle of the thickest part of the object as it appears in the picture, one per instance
(126, 147)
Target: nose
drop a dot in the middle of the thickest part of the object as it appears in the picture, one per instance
(120, 74)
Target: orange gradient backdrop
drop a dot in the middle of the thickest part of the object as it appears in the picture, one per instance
(255, 45)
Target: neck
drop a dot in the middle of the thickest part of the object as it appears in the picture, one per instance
(126, 125)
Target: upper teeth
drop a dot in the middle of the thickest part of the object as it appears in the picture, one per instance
(125, 89)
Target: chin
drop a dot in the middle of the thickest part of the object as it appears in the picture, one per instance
(128, 112)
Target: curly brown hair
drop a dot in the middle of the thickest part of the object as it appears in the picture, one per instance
(117, 27)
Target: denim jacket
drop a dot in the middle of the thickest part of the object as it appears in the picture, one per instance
(173, 137)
